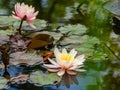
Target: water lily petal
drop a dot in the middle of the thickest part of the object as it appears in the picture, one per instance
(53, 62)
(70, 72)
(61, 72)
(73, 52)
(21, 10)
(53, 70)
(50, 66)
(73, 67)
(16, 17)
(80, 59)
(31, 24)
(57, 53)
(36, 13)
(64, 51)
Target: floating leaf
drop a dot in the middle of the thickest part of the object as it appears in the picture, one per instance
(44, 79)
(71, 40)
(20, 78)
(73, 29)
(83, 43)
(3, 82)
(3, 38)
(29, 58)
(40, 40)
(40, 24)
(19, 43)
(7, 20)
(7, 32)
(113, 6)
(88, 44)
(55, 35)
(1, 65)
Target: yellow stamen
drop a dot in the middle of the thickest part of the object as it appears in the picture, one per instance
(66, 57)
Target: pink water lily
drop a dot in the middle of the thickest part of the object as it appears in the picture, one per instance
(66, 62)
(23, 11)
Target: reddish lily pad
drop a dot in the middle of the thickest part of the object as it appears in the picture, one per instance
(20, 78)
(29, 58)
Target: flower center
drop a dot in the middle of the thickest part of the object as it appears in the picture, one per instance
(66, 57)
(26, 9)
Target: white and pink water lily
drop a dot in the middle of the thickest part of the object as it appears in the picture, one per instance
(23, 11)
(66, 62)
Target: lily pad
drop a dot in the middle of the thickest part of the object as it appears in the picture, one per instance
(1, 65)
(73, 29)
(39, 24)
(3, 83)
(29, 58)
(7, 32)
(55, 35)
(44, 79)
(7, 21)
(113, 6)
(22, 78)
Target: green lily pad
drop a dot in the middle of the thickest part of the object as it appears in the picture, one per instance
(3, 82)
(10, 21)
(7, 32)
(44, 79)
(73, 29)
(39, 24)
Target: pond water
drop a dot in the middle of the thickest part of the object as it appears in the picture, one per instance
(102, 68)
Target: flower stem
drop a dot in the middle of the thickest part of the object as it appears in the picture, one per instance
(19, 29)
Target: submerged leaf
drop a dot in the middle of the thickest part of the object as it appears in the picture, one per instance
(44, 79)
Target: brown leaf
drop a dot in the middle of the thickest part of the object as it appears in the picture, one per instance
(4, 49)
(40, 40)
(6, 74)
